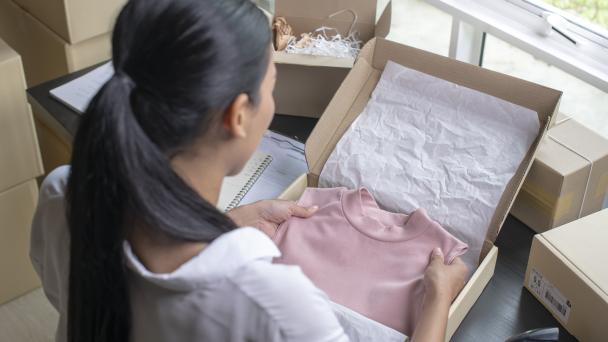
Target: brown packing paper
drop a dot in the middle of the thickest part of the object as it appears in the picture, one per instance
(567, 273)
(75, 20)
(45, 55)
(306, 84)
(568, 179)
(353, 95)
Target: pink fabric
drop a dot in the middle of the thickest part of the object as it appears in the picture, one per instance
(367, 259)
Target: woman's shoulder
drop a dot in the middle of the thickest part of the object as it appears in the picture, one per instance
(55, 183)
(290, 299)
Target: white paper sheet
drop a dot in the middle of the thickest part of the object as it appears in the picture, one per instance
(288, 163)
(359, 328)
(425, 142)
(77, 93)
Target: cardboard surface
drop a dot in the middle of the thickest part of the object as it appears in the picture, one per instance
(75, 20)
(567, 274)
(352, 96)
(46, 55)
(554, 191)
(305, 83)
(17, 207)
(354, 93)
(19, 155)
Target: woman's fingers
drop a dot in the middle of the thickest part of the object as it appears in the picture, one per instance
(437, 255)
(303, 212)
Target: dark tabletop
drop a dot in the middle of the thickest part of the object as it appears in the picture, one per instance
(505, 308)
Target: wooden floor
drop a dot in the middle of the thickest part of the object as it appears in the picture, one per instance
(29, 318)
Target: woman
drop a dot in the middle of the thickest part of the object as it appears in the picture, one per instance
(150, 258)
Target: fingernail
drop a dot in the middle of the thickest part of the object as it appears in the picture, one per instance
(313, 208)
(437, 251)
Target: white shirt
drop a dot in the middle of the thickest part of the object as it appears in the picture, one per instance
(231, 291)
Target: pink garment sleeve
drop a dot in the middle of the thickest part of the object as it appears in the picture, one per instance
(458, 249)
(451, 246)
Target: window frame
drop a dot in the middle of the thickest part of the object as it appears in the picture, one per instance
(517, 22)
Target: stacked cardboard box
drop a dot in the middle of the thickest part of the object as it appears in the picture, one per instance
(567, 273)
(568, 179)
(19, 165)
(55, 37)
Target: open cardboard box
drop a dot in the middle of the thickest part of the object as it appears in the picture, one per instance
(353, 95)
(306, 83)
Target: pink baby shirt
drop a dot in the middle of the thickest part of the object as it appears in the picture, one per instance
(367, 259)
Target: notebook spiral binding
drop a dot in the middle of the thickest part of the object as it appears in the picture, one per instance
(258, 172)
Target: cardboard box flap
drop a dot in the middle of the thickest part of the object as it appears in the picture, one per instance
(583, 243)
(354, 93)
(383, 25)
(280, 57)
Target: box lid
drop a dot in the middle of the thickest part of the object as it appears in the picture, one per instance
(354, 93)
(583, 243)
(558, 158)
(582, 140)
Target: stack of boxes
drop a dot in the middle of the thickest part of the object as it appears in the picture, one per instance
(56, 37)
(568, 179)
(20, 164)
(562, 199)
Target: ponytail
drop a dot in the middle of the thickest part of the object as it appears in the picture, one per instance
(178, 64)
(116, 170)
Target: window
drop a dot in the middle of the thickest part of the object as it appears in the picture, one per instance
(595, 11)
(582, 101)
(585, 18)
(418, 24)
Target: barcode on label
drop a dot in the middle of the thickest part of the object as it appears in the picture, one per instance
(549, 295)
(560, 307)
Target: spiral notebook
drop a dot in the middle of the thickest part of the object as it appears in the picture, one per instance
(234, 188)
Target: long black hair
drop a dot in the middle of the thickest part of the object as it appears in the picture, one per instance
(178, 65)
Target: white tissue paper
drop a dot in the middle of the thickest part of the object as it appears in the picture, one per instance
(424, 142)
(359, 328)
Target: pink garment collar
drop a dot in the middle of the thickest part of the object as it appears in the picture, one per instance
(363, 213)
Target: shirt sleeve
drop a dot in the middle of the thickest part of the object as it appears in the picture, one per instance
(300, 311)
(49, 241)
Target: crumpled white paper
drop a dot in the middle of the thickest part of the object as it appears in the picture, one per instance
(425, 142)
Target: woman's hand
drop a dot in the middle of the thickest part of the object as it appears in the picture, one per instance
(442, 283)
(267, 215)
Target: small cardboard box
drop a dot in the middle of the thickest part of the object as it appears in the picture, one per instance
(568, 179)
(75, 20)
(567, 273)
(19, 156)
(305, 84)
(353, 95)
(46, 55)
(17, 207)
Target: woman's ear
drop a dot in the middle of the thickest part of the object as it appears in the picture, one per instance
(236, 118)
